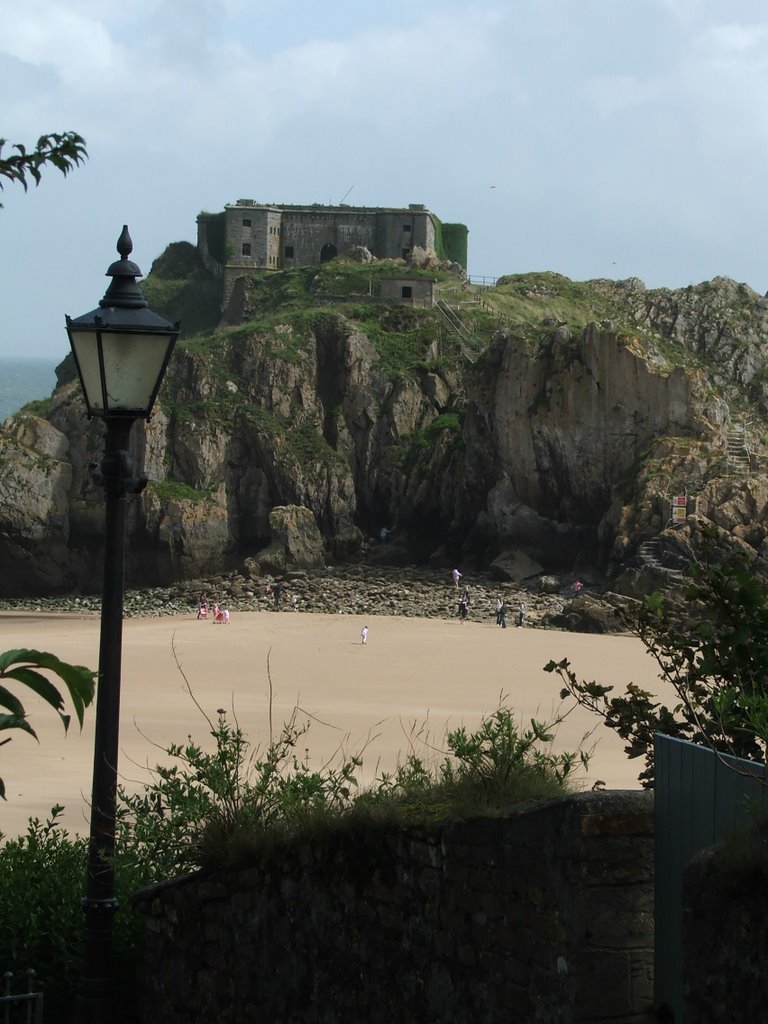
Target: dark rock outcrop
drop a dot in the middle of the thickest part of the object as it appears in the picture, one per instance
(535, 454)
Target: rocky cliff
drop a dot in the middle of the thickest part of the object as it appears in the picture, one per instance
(547, 431)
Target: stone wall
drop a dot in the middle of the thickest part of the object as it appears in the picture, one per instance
(544, 915)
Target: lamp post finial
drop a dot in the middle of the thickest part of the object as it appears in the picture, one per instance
(124, 243)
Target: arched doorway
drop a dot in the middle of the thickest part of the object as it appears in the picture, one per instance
(328, 252)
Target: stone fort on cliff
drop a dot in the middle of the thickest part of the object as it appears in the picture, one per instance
(251, 238)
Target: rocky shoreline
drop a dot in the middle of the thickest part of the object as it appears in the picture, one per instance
(357, 590)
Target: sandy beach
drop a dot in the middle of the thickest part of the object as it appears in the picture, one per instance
(411, 680)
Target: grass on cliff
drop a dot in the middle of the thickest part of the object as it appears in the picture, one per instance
(175, 490)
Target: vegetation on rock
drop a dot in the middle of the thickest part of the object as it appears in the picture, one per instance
(578, 407)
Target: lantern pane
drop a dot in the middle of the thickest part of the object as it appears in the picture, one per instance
(133, 364)
(86, 349)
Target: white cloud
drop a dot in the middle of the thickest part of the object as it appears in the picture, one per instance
(76, 46)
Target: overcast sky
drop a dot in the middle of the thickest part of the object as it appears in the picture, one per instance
(596, 138)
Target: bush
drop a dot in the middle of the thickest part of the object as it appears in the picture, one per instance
(225, 807)
(482, 773)
(210, 809)
(713, 653)
(42, 880)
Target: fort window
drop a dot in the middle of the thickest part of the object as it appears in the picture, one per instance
(246, 222)
(406, 292)
(246, 248)
(289, 252)
(406, 227)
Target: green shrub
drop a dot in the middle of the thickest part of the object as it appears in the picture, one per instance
(482, 773)
(227, 807)
(712, 652)
(42, 924)
(42, 880)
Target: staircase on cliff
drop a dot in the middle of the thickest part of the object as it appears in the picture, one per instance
(452, 319)
(738, 450)
(651, 555)
(456, 326)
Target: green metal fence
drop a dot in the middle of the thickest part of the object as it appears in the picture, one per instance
(700, 798)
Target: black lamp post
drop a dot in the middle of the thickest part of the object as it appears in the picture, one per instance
(121, 350)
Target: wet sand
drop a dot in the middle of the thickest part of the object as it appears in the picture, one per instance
(412, 680)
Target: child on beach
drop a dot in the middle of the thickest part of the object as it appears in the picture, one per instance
(364, 635)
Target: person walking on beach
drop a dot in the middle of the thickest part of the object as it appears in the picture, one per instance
(455, 576)
(499, 606)
(364, 635)
(277, 593)
(521, 614)
(464, 606)
(202, 607)
(503, 615)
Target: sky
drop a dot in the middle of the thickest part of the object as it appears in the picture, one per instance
(594, 138)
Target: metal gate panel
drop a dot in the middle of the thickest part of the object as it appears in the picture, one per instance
(700, 798)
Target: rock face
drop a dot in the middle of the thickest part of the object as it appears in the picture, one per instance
(34, 496)
(296, 541)
(292, 444)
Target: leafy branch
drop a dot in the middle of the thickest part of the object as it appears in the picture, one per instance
(24, 666)
(63, 150)
(712, 652)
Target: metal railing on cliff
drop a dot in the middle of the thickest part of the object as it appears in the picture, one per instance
(739, 451)
(453, 320)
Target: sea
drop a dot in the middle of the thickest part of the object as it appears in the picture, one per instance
(21, 380)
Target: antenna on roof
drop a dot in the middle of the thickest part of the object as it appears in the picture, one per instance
(346, 194)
